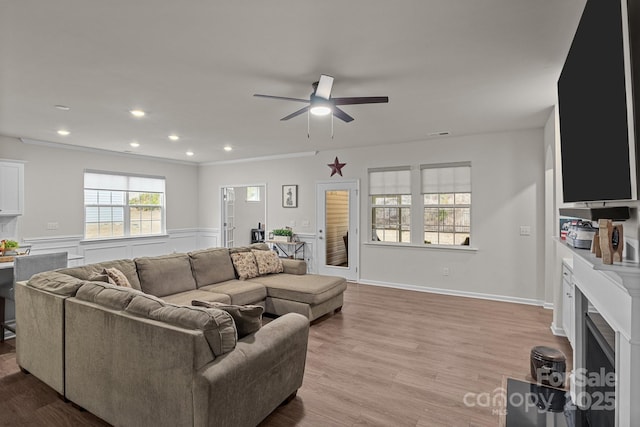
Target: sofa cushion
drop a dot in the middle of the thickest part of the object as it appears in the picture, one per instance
(127, 266)
(307, 288)
(211, 266)
(106, 294)
(165, 275)
(185, 298)
(216, 325)
(245, 265)
(56, 283)
(294, 266)
(248, 318)
(241, 292)
(268, 262)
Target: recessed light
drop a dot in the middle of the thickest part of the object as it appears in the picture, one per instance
(134, 144)
(228, 148)
(174, 137)
(137, 113)
(189, 153)
(62, 107)
(63, 132)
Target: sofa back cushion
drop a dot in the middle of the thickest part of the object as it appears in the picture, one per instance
(108, 295)
(256, 246)
(165, 275)
(126, 266)
(216, 325)
(211, 266)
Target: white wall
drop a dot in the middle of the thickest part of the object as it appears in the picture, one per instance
(54, 186)
(508, 191)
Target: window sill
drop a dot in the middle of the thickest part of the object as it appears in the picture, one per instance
(126, 238)
(429, 247)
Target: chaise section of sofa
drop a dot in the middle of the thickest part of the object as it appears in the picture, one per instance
(135, 360)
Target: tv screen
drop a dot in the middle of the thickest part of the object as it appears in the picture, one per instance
(592, 105)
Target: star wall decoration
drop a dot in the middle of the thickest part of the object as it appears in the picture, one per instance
(336, 167)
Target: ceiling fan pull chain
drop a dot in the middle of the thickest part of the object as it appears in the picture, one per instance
(308, 124)
(331, 126)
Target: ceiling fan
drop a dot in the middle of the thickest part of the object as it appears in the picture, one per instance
(321, 103)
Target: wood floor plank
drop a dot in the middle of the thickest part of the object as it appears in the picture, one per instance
(391, 357)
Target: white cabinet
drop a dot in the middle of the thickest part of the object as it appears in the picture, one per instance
(567, 302)
(11, 188)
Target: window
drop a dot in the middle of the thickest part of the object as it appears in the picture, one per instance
(446, 193)
(390, 197)
(253, 194)
(118, 205)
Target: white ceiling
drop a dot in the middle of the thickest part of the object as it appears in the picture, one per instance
(464, 66)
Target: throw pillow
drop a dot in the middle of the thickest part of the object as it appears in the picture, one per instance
(248, 318)
(268, 262)
(101, 277)
(245, 265)
(117, 276)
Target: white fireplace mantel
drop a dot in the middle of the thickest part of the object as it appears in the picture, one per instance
(614, 291)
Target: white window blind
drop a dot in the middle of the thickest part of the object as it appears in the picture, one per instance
(390, 181)
(447, 178)
(136, 183)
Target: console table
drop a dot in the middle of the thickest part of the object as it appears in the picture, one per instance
(294, 250)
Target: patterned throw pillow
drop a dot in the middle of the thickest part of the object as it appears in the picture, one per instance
(248, 318)
(117, 277)
(101, 277)
(268, 262)
(245, 265)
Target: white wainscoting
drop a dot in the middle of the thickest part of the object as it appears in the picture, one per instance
(309, 250)
(182, 240)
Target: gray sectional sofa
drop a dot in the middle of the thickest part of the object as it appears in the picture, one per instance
(143, 355)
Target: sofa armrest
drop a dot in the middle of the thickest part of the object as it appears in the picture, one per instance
(244, 386)
(294, 266)
(40, 334)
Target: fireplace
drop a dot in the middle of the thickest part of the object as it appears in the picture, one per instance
(607, 340)
(598, 400)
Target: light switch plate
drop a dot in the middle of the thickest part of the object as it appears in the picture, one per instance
(525, 230)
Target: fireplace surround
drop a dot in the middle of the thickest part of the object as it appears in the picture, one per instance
(612, 291)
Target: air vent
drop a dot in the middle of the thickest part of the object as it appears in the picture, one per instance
(441, 133)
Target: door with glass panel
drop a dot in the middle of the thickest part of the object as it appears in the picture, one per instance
(337, 228)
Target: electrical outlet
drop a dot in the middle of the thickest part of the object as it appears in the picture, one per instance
(305, 222)
(445, 271)
(52, 226)
(525, 230)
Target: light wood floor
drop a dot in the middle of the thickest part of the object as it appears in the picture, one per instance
(390, 358)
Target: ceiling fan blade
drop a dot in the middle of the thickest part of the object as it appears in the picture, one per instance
(361, 100)
(324, 86)
(281, 97)
(296, 113)
(342, 115)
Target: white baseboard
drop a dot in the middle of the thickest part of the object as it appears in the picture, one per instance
(555, 330)
(548, 305)
(453, 292)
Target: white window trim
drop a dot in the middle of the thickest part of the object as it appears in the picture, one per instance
(126, 206)
(417, 210)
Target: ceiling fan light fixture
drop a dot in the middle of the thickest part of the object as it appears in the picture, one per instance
(320, 110)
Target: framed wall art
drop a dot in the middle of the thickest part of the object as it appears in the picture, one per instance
(289, 196)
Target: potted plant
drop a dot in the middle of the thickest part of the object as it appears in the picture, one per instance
(282, 235)
(8, 247)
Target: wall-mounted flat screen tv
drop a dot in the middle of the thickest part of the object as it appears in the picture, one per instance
(596, 108)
